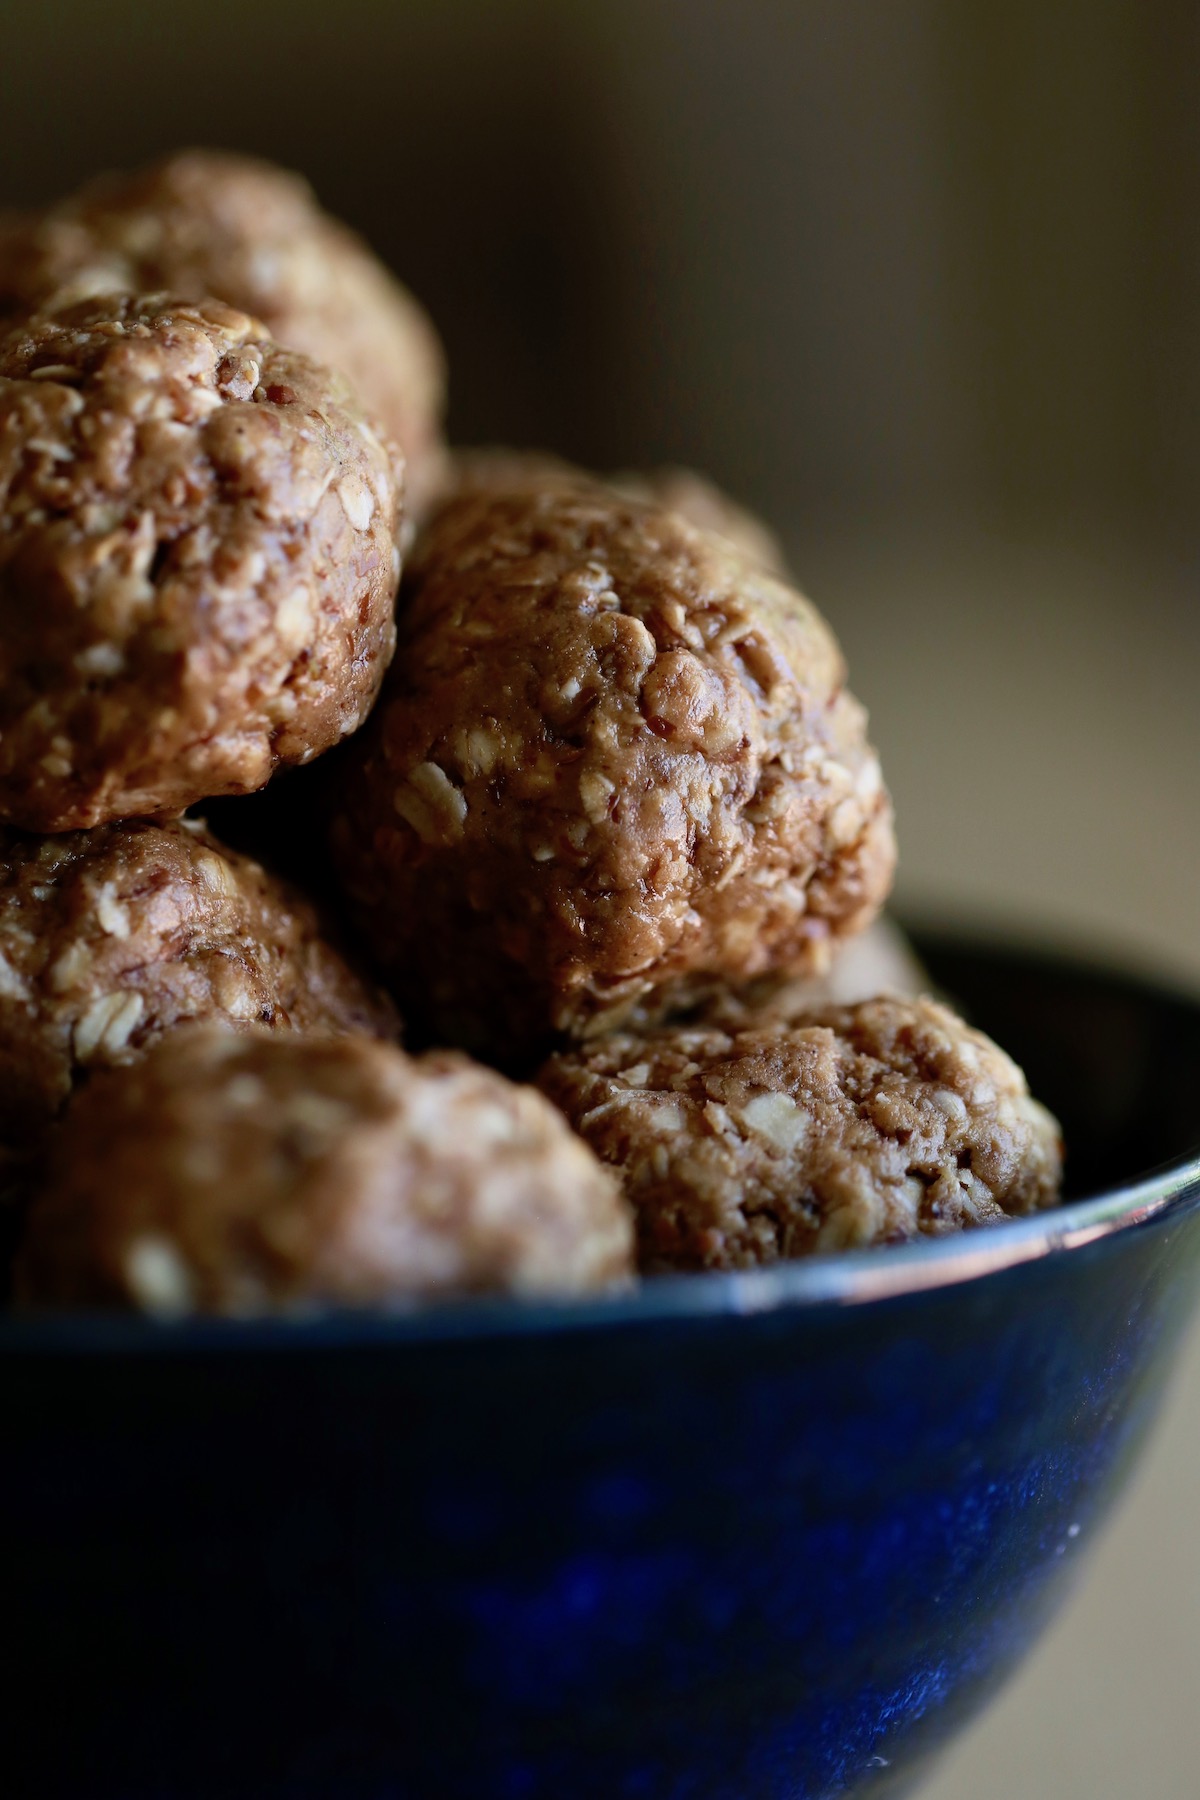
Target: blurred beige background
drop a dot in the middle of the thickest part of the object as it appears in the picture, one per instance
(1035, 705)
(920, 279)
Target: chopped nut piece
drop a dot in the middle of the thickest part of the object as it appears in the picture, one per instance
(12, 985)
(774, 1117)
(215, 872)
(358, 502)
(294, 619)
(595, 790)
(69, 969)
(100, 659)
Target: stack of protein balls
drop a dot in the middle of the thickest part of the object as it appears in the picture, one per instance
(598, 795)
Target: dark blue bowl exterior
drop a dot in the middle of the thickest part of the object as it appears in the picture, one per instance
(722, 1557)
(734, 1556)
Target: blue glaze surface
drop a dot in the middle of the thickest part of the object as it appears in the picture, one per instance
(764, 1538)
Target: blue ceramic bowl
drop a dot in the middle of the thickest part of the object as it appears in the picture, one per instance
(727, 1538)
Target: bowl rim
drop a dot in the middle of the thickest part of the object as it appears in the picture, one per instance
(854, 1278)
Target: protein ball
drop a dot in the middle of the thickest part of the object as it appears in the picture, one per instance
(206, 223)
(247, 1174)
(861, 1125)
(197, 560)
(111, 937)
(614, 757)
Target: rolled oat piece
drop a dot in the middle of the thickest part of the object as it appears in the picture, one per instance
(204, 222)
(698, 500)
(198, 560)
(109, 938)
(858, 1125)
(614, 758)
(248, 1174)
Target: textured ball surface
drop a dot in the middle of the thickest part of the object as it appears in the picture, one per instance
(197, 560)
(205, 222)
(110, 938)
(242, 1174)
(857, 1125)
(613, 757)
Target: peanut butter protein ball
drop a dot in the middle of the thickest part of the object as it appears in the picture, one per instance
(859, 1125)
(203, 223)
(246, 1174)
(615, 757)
(197, 560)
(111, 937)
